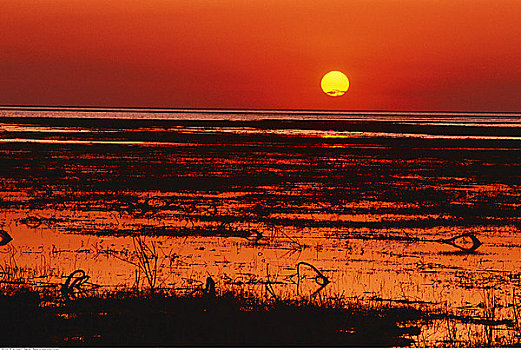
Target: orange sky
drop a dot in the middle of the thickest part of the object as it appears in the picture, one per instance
(462, 55)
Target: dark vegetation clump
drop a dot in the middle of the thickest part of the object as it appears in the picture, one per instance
(128, 319)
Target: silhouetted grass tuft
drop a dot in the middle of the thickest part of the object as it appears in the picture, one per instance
(125, 318)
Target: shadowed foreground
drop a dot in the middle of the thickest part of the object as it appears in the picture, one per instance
(124, 319)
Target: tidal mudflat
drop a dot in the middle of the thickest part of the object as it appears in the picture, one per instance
(282, 211)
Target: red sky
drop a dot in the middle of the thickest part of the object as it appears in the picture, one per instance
(461, 55)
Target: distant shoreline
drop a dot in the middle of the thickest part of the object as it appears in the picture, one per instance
(337, 128)
(250, 111)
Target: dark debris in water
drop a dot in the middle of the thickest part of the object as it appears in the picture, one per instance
(5, 238)
(170, 232)
(36, 221)
(467, 242)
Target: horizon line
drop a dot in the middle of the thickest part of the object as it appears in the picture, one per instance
(236, 110)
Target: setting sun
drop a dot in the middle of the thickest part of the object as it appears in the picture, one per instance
(335, 83)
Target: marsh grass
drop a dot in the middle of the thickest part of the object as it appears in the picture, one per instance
(9, 268)
(145, 260)
(515, 311)
(13, 274)
(166, 318)
(236, 315)
(492, 325)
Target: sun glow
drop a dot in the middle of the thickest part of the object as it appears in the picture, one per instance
(335, 83)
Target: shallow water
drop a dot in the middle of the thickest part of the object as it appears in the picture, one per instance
(246, 203)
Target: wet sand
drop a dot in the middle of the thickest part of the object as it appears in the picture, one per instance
(245, 204)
